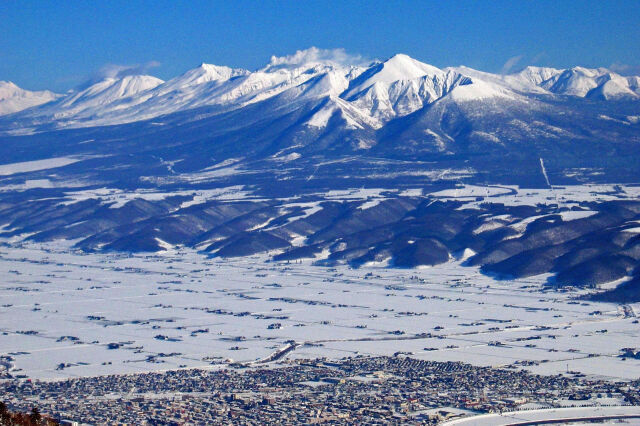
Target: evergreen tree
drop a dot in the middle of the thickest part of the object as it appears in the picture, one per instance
(35, 416)
(4, 414)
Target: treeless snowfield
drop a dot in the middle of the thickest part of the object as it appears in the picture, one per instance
(65, 313)
(32, 166)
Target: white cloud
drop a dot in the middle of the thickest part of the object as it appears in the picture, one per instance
(313, 54)
(119, 71)
(625, 69)
(511, 62)
(537, 58)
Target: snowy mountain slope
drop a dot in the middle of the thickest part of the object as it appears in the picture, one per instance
(108, 91)
(89, 103)
(14, 99)
(203, 74)
(584, 82)
(400, 86)
(533, 75)
(578, 81)
(526, 81)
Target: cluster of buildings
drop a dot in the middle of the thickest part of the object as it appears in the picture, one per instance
(352, 390)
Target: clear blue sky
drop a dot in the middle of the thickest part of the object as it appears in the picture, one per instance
(60, 44)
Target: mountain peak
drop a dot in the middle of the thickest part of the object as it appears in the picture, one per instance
(4, 83)
(121, 86)
(132, 84)
(204, 74)
(397, 68)
(8, 89)
(404, 67)
(104, 92)
(14, 99)
(221, 72)
(537, 75)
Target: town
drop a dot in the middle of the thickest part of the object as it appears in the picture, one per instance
(361, 390)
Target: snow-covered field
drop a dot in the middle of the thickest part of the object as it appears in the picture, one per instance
(60, 310)
(31, 166)
(472, 195)
(564, 196)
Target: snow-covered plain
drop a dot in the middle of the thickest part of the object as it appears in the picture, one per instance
(60, 309)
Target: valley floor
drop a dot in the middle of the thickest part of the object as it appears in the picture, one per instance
(67, 314)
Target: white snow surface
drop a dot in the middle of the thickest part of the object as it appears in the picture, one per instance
(32, 166)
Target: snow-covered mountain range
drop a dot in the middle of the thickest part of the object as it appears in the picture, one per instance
(361, 95)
